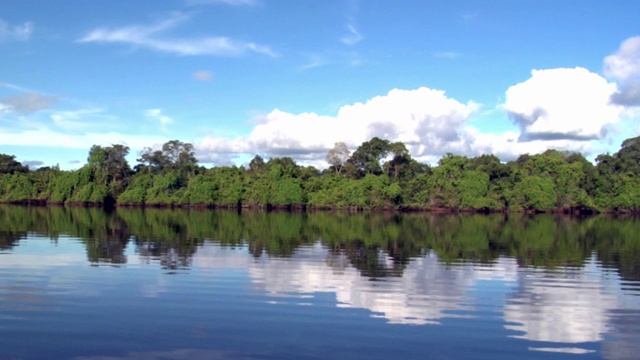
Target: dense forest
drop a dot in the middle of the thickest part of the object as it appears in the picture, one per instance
(377, 175)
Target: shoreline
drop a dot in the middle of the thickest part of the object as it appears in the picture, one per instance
(568, 211)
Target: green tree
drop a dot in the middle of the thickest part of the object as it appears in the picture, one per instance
(110, 167)
(9, 165)
(533, 193)
(174, 155)
(366, 159)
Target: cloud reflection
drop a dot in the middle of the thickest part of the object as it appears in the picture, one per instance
(564, 306)
(426, 293)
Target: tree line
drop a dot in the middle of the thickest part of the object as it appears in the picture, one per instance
(379, 174)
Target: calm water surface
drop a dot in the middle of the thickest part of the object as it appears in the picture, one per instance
(168, 284)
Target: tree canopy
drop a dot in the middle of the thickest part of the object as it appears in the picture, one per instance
(379, 174)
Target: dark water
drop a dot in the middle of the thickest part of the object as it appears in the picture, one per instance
(166, 284)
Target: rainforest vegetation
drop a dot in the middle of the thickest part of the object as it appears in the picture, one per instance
(377, 175)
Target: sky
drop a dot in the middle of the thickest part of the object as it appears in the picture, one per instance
(239, 78)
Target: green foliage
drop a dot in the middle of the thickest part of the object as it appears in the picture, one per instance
(174, 155)
(554, 180)
(17, 188)
(9, 165)
(533, 193)
(366, 159)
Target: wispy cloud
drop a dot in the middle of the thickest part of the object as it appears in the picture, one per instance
(329, 58)
(158, 116)
(203, 75)
(314, 61)
(47, 137)
(81, 120)
(15, 33)
(352, 37)
(223, 2)
(446, 54)
(29, 102)
(151, 37)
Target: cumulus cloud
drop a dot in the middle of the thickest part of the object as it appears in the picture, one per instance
(562, 104)
(426, 120)
(624, 64)
(203, 75)
(157, 115)
(28, 103)
(564, 109)
(624, 67)
(15, 33)
(151, 37)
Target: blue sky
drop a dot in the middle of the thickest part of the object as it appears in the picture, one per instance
(291, 78)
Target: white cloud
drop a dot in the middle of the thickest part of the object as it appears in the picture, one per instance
(507, 145)
(625, 63)
(431, 124)
(561, 103)
(353, 36)
(4, 108)
(45, 137)
(157, 115)
(149, 36)
(425, 119)
(203, 75)
(624, 67)
(15, 33)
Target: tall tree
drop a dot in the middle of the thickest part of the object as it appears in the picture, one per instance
(338, 156)
(9, 165)
(366, 158)
(174, 155)
(257, 165)
(109, 163)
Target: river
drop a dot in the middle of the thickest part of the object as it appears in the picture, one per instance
(78, 283)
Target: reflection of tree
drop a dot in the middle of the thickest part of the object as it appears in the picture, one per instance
(377, 244)
(103, 233)
(617, 244)
(164, 235)
(548, 241)
(171, 256)
(9, 239)
(371, 260)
